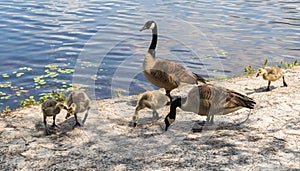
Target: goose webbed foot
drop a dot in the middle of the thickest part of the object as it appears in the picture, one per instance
(284, 84)
(77, 124)
(134, 124)
(54, 126)
(47, 132)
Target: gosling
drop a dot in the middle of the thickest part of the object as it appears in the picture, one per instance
(151, 99)
(78, 101)
(51, 108)
(271, 74)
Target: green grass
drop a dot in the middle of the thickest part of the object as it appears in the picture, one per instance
(249, 70)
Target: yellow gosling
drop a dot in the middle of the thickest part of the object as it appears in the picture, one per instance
(271, 74)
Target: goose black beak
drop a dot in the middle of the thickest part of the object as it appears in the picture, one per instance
(144, 28)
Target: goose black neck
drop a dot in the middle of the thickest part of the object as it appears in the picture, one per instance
(176, 103)
(154, 40)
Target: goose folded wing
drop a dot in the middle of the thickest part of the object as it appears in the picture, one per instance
(176, 71)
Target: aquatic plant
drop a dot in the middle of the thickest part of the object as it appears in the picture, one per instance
(6, 110)
(249, 70)
(28, 102)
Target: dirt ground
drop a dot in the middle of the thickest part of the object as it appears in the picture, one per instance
(266, 138)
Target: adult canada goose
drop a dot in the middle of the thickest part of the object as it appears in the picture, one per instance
(151, 99)
(78, 101)
(164, 73)
(271, 74)
(209, 100)
(51, 108)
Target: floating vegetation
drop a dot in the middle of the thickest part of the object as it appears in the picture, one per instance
(6, 85)
(224, 53)
(19, 74)
(51, 74)
(66, 71)
(25, 68)
(52, 66)
(28, 102)
(5, 75)
(5, 97)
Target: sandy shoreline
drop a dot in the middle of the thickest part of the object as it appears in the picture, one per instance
(267, 140)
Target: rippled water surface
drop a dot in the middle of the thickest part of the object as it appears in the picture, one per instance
(98, 43)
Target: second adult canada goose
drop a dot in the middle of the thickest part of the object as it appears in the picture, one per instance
(209, 100)
(271, 74)
(51, 108)
(78, 101)
(164, 73)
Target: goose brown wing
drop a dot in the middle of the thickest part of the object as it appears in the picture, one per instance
(176, 71)
(161, 79)
(221, 100)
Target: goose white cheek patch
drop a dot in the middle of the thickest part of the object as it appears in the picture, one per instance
(152, 26)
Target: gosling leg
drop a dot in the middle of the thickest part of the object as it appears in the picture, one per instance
(268, 88)
(284, 83)
(77, 123)
(46, 128)
(54, 125)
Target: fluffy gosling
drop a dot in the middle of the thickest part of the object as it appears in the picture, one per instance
(51, 108)
(271, 74)
(151, 99)
(78, 101)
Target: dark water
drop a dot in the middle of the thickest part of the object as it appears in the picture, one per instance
(98, 44)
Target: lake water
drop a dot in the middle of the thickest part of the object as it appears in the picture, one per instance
(54, 45)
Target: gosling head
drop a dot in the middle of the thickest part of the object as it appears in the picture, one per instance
(71, 110)
(149, 25)
(61, 106)
(261, 71)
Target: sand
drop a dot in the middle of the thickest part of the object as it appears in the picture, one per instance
(266, 138)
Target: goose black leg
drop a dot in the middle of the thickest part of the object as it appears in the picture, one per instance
(284, 83)
(269, 83)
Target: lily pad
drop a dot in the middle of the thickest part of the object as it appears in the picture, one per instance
(5, 75)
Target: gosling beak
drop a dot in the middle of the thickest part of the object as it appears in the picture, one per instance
(257, 74)
(67, 116)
